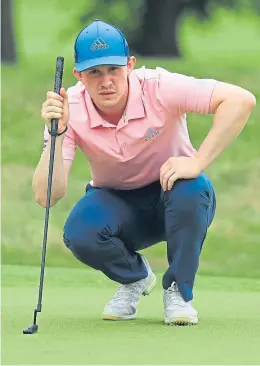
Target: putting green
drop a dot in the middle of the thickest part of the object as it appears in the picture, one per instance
(71, 331)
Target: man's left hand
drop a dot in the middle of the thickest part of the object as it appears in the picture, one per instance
(178, 168)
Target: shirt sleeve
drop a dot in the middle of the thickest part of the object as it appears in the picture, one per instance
(184, 94)
(69, 143)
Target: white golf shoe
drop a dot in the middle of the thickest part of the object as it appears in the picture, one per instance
(176, 310)
(123, 305)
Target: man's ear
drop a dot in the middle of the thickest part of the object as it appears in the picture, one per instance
(131, 64)
(77, 74)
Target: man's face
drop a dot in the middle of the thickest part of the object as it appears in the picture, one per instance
(106, 85)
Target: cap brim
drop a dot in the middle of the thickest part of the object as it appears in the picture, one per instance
(109, 60)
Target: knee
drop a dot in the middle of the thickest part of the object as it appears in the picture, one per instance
(188, 195)
(86, 240)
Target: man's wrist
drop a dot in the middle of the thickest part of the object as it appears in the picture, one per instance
(200, 163)
(59, 139)
(58, 133)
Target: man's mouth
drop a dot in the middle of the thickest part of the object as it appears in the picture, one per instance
(107, 93)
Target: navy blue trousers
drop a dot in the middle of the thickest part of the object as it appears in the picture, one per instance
(107, 227)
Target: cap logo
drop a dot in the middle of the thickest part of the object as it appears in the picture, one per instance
(98, 44)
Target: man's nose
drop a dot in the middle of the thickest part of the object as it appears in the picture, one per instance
(106, 81)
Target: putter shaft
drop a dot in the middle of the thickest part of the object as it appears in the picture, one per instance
(54, 127)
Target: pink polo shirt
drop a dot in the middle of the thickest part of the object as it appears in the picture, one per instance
(152, 129)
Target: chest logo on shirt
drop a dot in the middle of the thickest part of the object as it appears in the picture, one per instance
(151, 133)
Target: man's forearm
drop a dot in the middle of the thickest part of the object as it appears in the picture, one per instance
(229, 120)
(40, 178)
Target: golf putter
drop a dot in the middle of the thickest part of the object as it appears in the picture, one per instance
(54, 129)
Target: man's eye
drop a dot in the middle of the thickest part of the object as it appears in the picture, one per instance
(113, 68)
(93, 72)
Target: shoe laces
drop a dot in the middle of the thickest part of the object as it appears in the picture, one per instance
(127, 293)
(172, 297)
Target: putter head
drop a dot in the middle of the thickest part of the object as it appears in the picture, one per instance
(31, 330)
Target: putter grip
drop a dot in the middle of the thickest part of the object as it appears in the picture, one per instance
(58, 74)
(57, 87)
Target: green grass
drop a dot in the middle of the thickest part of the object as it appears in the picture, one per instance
(71, 331)
(227, 49)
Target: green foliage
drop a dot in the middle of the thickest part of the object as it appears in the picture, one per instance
(129, 15)
(126, 15)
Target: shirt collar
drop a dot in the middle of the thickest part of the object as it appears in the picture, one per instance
(135, 105)
(134, 108)
(95, 119)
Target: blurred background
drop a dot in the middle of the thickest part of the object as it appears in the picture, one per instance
(203, 38)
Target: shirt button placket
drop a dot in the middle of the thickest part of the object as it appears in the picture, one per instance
(121, 144)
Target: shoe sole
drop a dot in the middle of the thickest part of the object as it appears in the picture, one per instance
(146, 292)
(181, 321)
(115, 317)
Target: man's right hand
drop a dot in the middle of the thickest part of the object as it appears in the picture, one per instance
(56, 106)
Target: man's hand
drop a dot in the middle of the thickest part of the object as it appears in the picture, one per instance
(178, 168)
(56, 106)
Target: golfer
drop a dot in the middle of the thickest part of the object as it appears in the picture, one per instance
(148, 183)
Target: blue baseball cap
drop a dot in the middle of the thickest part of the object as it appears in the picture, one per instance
(100, 43)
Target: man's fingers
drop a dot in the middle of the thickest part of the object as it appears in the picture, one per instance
(162, 174)
(53, 95)
(63, 93)
(51, 115)
(165, 177)
(164, 169)
(52, 108)
(52, 102)
(172, 179)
